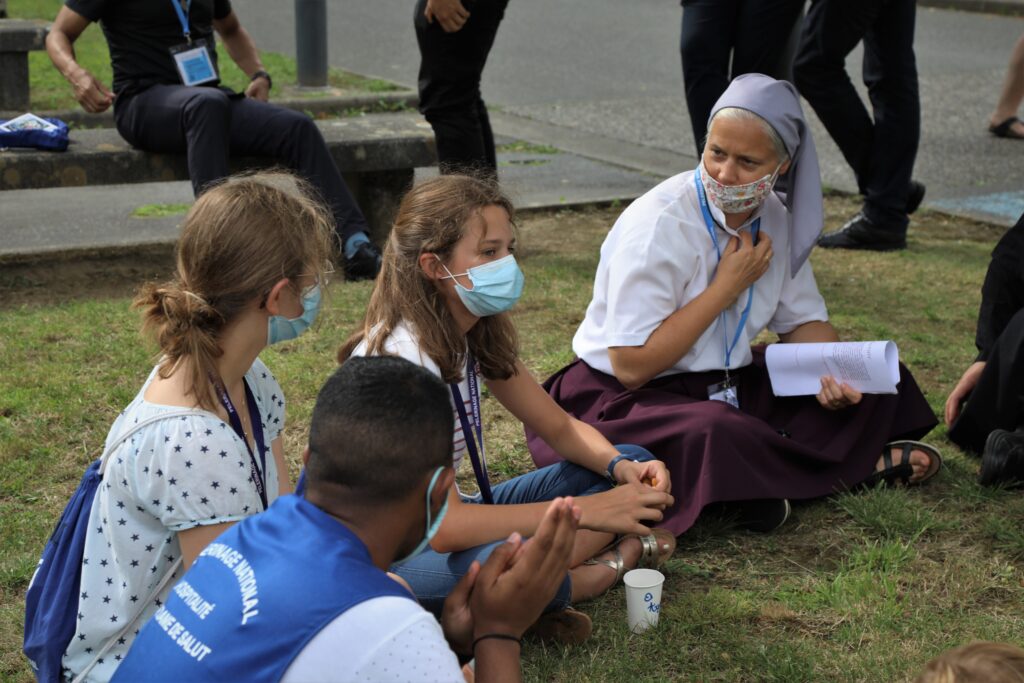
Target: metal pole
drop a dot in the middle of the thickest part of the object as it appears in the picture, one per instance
(311, 42)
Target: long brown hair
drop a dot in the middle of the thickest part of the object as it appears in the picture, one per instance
(981, 662)
(239, 239)
(433, 216)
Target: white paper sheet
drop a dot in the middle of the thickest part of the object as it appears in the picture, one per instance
(869, 367)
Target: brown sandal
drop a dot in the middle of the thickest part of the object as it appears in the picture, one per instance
(900, 473)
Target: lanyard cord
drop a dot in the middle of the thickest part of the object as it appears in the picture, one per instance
(257, 432)
(709, 223)
(468, 433)
(182, 9)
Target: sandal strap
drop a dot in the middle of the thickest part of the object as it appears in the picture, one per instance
(908, 448)
(886, 457)
(649, 550)
(618, 565)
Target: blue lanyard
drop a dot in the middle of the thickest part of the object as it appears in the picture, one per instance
(709, 223)
(257, 432)
(183, 17)
(477, 458)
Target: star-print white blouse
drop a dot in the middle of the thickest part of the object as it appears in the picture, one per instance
(172, 475)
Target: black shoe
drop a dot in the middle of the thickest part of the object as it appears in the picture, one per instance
(1002, 461)
(860, 233)
(915, 195)
(762, 515)
(364, 264)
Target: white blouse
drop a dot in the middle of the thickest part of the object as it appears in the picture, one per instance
(659, 256)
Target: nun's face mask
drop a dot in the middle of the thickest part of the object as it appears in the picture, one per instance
(739, 166)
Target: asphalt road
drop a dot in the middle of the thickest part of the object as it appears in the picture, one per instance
(610, 70)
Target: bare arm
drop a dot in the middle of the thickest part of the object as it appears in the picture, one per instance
(194, 540)
(742, 264)
(284, 482)
(88, 92)
(242, 50)
(620, 510)
(574, 440)
(468, 524)
(816, 331)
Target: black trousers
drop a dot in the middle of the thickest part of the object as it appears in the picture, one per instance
(881, 148)
(451, 65)
(209, 125)
(998, 400)
(753, 33)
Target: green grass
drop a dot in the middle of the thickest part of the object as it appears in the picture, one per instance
(49, 90)
(523, 147)
(859, 587)
(159, 210)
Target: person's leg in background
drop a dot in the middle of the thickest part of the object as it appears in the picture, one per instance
(263, 129)
(763, 28)
(1003, 122)
(176, 119)
(451, 67)
(706, 40)
(832, 29)
(890, 73)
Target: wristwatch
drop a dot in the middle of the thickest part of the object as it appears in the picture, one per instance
(263, 74)
(635, 457)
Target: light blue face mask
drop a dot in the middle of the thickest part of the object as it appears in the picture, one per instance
(280, 328)
(497, 286)
(432, 526)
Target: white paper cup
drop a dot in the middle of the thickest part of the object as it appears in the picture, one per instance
(643, 598)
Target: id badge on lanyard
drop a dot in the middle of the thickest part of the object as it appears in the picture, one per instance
(192, 58)
(726, 390)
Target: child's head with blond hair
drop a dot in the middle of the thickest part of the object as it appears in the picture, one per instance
(983, 662)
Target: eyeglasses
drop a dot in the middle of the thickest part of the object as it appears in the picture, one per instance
(324, 278)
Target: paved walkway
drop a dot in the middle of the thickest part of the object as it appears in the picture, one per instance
(620, 133)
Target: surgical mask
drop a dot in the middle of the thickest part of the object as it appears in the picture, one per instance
(497, 286)
(432, 525)
(737, 198)
(280, 328)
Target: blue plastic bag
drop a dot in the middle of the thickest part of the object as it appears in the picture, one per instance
(29, 130)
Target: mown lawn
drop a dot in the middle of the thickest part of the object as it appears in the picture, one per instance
(863, 587)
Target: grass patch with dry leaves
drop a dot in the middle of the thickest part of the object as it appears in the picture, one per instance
(860, 587)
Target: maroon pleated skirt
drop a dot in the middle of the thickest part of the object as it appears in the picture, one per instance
(770, 447)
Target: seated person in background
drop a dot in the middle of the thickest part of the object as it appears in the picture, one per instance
(689, 275)
(991, 422)
(983, 662)
(442, 299)
(166, 99)
(300, 592)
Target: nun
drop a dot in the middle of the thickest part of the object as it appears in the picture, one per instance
(689, 275)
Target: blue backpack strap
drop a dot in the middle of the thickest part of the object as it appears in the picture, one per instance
(51, 602)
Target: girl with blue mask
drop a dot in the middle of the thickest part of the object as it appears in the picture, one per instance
(449, 279)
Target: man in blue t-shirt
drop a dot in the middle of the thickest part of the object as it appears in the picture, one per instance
(300, 592)
(167, 98)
